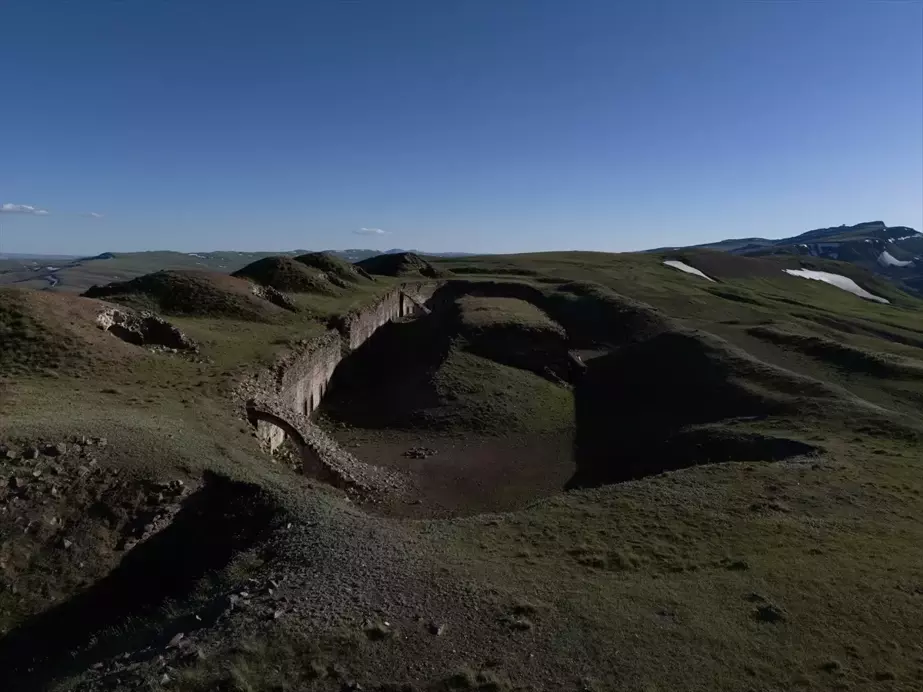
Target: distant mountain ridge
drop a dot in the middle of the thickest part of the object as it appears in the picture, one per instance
(895, 252)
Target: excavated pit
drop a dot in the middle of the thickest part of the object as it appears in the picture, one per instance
(138, 604)
(652, 398)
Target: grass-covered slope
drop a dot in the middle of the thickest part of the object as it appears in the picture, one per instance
(481, 395)
(45, 334)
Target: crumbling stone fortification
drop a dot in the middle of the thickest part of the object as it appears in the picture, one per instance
(298, 381)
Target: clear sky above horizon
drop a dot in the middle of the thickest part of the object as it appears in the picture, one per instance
(472, 125)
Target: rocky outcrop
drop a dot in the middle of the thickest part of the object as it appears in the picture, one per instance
(274, 296)
(144, 329)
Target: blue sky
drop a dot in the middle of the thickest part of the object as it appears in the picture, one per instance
(470, 125)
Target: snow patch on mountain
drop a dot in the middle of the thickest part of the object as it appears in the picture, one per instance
(838, 280)
(886, 259)
(683, 267)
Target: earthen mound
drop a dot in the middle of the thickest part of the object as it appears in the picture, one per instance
(337, 271)
(517, 333)
(287, 275)
(400, 264)
(190, 292)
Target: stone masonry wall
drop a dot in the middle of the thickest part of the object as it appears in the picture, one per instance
(304, 382)
(358, 326)
(299, 381)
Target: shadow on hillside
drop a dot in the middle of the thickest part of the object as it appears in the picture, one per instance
(658, 405)
(216, 522)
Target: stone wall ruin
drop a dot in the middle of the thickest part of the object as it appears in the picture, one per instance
(143, 329)
(298, 381)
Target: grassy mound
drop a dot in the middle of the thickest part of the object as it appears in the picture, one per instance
(400, 264)
(285, 274)
(482, 313)
(589, 312)
(464, 393)
(189, 292)
(479, 394)
(338, 271)
(841, 355)
(44, 332)
(516, 333)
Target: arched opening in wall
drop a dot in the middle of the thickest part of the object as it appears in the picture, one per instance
(306, 408)
(276, 433)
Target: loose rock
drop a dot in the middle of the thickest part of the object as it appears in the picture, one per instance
(769, 613)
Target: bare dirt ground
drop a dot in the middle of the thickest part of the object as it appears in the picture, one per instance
(454, 476)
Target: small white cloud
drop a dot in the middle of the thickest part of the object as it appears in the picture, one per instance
(7, 208)
(371, 231)
(95, 214)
